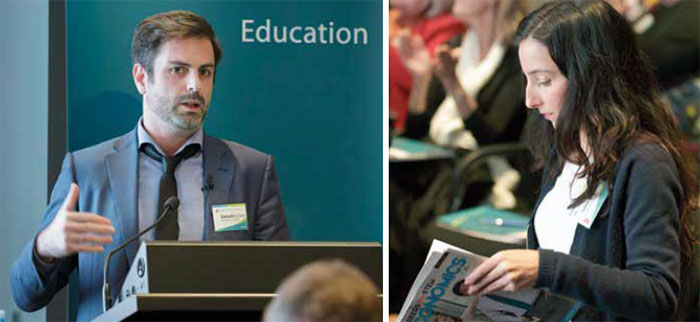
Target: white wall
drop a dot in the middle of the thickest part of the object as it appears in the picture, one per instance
(24, 41)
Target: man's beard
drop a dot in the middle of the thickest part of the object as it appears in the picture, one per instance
(168, 110)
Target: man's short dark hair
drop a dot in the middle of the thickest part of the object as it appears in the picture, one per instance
(158, 29)
(327, 290)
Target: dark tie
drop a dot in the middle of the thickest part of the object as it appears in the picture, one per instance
(168, 229)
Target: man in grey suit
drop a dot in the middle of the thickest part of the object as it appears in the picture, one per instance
(107, 193)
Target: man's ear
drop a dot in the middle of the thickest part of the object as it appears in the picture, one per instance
(140, 78)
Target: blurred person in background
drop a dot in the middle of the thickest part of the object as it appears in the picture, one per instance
(430, 23)
(479, 75)
(480, 100)
(668, 32)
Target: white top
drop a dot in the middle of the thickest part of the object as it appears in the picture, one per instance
(555, 224)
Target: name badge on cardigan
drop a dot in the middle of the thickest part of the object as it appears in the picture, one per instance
(587, 211)
(229, 217)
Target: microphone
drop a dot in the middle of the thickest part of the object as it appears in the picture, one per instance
(170, 204)
(209, 185)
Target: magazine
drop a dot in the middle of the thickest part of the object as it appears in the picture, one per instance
(435, 294)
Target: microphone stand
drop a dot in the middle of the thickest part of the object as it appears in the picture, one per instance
(170, 204)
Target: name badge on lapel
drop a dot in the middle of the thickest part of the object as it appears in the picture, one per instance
(586, 212)
(229, 217)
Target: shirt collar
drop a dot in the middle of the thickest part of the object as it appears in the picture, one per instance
(144, 138)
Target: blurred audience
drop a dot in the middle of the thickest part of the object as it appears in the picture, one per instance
(669, 33)
(478, 71)
(480, 75)
(430, 22)
(468, 94)
(326, 290)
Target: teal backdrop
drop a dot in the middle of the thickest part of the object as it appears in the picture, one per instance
(316, 108)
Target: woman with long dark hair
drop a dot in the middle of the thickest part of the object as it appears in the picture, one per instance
(611, 226)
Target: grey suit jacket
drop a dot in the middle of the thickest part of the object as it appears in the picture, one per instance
(107, 177)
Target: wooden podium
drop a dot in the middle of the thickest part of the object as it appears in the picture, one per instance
(223, 280)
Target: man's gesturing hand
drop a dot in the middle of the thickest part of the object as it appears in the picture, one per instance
(71, 232)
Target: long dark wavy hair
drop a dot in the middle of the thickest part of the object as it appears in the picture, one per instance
(611, 96)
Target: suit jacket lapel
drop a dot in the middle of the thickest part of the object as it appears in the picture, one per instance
(219, 169)
(122, 169)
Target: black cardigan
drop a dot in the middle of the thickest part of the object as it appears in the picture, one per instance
(627, 266)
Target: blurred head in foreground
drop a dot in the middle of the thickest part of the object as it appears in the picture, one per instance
(327, 290)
